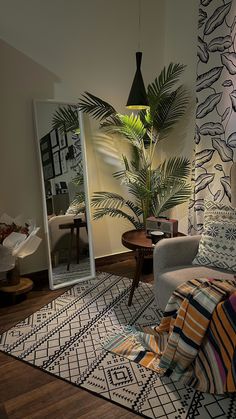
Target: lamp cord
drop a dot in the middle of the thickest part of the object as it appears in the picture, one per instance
(139, 25)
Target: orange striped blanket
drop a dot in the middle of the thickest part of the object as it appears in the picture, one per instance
(195, 341)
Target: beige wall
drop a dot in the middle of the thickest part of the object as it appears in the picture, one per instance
(58, 49)
(21, 79)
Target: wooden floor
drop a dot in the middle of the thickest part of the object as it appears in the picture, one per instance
(28, 393)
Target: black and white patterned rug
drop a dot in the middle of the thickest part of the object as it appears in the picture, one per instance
(63, 338)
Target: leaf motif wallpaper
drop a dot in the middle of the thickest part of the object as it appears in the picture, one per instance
(215, 135)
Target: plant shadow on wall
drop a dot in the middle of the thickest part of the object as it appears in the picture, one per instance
(152, 189)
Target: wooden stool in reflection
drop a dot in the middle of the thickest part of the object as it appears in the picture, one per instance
(76, 225)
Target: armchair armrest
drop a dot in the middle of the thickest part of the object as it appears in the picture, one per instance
(175, 251)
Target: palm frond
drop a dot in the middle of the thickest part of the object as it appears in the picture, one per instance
(142, 190)
(134, 208)
(124, 175)
(136, 160)
(114, 212)
(96, 107)
(139, 191)
(156, 175)
(165, 81)
(132, 128)
(177, 194)
(169, 184)
(142, 195)
(126, 162)
(107, 199)
(115, 201)
(175, 168)
(110, 122)
(141, 176)
(169, 110)
(131, 174)
(66, 118)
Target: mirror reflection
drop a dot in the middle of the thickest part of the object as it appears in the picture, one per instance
(65, 197)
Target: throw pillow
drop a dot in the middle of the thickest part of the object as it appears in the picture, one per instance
(217, 247)
(74, 209)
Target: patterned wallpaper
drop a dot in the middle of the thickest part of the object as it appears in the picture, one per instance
(215, 137)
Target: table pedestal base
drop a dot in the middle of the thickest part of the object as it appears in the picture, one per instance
(140, 254)
(24, 285)
(137, 240)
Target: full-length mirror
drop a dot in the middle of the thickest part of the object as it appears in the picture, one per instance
(65, 199)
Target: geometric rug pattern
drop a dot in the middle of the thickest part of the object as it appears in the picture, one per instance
(64, 338)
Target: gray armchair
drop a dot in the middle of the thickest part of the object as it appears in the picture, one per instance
(172, 261)
(173, 265)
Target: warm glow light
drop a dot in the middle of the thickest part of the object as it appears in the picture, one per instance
(137, 107)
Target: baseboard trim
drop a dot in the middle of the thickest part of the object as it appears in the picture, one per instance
(117, 257)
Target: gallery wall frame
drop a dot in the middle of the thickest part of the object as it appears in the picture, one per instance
(64, 163)
(54, 138)
(62, 139)
(54, 149)
(47, 157)
(57, 164)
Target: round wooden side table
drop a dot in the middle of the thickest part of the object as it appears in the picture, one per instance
(142, 245)
(136, 240)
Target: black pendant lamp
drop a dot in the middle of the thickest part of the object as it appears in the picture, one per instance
(138, 98)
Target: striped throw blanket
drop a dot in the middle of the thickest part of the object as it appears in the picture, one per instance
(195, 341)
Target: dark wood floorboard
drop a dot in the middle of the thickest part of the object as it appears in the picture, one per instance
(29, 393)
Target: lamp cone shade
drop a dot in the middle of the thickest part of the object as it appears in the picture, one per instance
(138, 98)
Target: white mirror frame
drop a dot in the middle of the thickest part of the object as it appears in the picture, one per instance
(43, 195)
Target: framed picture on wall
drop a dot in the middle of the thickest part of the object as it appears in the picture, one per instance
(54, 138)
(46, 157)
(64, 162)
(48, 171)
(62, 139)
(57, 164)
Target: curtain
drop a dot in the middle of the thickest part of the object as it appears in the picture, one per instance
(215, 135)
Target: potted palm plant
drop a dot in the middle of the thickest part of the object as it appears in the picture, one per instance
(152, 189)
